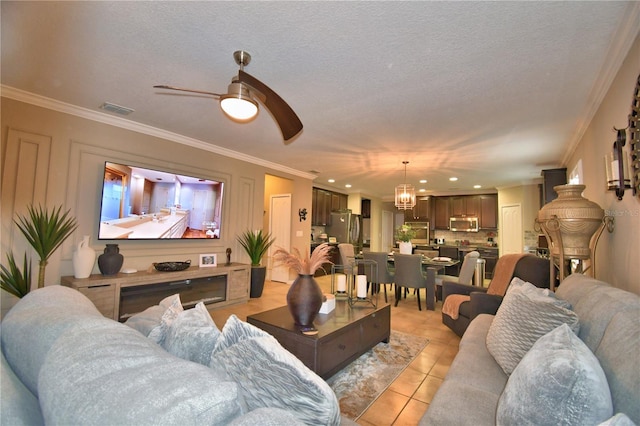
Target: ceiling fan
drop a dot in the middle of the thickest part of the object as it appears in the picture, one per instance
(239, 103)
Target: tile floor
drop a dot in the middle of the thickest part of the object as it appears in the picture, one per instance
(408, 397)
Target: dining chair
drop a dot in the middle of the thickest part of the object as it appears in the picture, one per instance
(384, 274)
(466, 271)
(409, 274)
(347, 257)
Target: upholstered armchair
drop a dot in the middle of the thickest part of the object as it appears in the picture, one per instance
(466, 301)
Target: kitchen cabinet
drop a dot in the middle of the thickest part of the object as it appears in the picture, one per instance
(324, 202)
(466, 205)
(488, 211)
(365, 209)
(421, 211)
(440, 213)
(551, 178)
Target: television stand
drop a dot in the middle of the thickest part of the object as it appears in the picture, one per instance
(122, 295)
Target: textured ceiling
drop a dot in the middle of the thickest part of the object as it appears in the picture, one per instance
(490, 92)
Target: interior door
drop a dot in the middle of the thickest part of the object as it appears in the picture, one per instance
(280, 229)
(511, 237)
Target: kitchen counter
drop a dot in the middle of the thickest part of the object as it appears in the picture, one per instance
(146, 227)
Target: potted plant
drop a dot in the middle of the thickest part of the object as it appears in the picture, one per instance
(304, 297)
(404, 235)
(256, 244)
(46, 232)
(13, 280)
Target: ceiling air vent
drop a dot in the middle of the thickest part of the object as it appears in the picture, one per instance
(108, 106)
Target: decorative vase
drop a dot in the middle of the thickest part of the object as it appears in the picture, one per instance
(405, 247)
(304, 300)
(83, 258)
(258, 275)
(111, 260)
(571, 220)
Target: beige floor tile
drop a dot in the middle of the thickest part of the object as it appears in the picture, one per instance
(408, 382)
(427, 389)
(385, 409)
(412, 413)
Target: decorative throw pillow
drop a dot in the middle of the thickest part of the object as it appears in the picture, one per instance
(558, 382)
(526, 314)
(192, 335)
(150, 318)
(270, 376)
(619, 419)
(159, 332)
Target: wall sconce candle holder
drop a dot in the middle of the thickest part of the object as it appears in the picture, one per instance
(617, 166)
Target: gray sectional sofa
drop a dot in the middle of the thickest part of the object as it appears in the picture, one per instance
(64, 363)
(475, 387)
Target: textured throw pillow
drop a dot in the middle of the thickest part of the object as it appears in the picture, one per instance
(526, 314)
(159, 332)
(270, 376)
(150, 318)
(192, 335)
(558, 382)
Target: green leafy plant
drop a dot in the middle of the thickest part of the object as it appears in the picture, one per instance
(46, 231)
(405, 234)
(13, 280)
(256, 244)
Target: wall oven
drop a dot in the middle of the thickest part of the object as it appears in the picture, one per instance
(463, 224)
(422, 232)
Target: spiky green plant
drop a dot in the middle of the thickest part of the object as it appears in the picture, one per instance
(46, 231)
(13, 280)
(256, 244)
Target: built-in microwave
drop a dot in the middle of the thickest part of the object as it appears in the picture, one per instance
(422, 232)
(463, 224)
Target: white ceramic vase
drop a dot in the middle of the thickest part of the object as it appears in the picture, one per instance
(83, 259)
(405, 247)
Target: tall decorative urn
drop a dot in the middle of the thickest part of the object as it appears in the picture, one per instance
(572, 225)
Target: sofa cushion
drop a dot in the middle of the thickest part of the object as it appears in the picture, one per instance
(561, 383)
(18, 406)
(159, 332)
(112, 375)
(151, 317)
(36, 322)
(526, 314)
(270, 376)
(192, 335)
(619, 419)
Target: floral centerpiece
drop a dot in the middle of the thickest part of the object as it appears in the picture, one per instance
(305, 297)
(404, 234)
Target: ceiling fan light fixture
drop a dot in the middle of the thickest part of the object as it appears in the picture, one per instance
(238, 103)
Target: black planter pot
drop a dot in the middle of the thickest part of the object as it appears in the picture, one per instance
(258, 274)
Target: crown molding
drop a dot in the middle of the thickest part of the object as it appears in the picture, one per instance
(621, 43)
(66, 108)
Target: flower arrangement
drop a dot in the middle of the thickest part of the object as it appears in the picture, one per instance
(405, 234)
(306, 265)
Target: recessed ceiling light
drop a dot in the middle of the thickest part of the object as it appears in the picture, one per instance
(422, 190)
(477, 186)
(453, 179)
(348, 185)
(423, 181)
(331, 180)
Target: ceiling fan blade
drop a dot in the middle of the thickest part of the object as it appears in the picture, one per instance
(289, 123)
(202, 92)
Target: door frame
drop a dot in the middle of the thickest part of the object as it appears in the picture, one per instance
(280, 229)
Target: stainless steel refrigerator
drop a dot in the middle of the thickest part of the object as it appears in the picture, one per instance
(347, 228)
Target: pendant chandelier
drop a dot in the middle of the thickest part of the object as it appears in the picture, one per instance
(405, 193)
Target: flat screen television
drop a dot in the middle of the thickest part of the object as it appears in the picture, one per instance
(146, 204)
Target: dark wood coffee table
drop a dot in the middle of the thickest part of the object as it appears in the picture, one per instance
(343, 335)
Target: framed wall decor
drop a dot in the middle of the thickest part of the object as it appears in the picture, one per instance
(208, 260)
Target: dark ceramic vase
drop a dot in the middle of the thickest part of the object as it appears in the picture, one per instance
(111, 260)
(305, 300)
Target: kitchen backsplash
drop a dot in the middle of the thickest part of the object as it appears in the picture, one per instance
(480, 238)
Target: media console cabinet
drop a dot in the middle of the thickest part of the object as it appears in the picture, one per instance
(122, 295)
